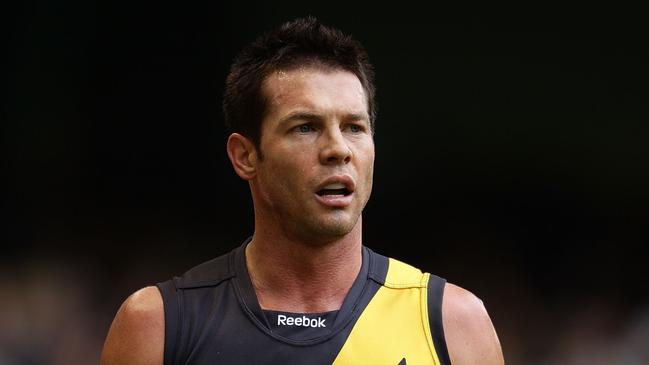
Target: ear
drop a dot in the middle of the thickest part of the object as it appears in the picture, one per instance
(243, 155)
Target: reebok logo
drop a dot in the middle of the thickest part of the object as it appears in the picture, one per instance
(300, 321)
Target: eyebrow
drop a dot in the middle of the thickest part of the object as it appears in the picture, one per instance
(301, 115)
(314, 117)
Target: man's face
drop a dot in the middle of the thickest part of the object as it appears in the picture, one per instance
(318, 153)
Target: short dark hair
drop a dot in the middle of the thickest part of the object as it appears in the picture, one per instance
(304, 41)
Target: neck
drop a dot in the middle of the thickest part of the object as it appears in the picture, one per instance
(293, 276)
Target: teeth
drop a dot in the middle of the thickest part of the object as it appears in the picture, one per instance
(335, 186)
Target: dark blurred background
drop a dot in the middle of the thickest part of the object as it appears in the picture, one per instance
(512, 159)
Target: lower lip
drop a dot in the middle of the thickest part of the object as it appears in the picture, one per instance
(335, 201)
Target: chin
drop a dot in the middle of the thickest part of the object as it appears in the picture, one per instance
(336, 231)
(323, 232)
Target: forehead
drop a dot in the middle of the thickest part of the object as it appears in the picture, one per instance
(316, 89)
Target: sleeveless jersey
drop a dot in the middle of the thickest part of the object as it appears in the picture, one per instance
(392, 315)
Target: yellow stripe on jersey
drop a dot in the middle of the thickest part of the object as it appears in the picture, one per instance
(394, 325)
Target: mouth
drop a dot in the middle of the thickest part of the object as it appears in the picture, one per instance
(334, 190)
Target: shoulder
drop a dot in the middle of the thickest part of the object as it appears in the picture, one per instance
(136, 335)
(208, 273)
(470, 335)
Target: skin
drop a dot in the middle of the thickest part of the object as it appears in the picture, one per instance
(305, 253)
(470, 336)
(136, 336)
(316, 128)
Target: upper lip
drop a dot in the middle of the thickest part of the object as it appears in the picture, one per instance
(342, 179)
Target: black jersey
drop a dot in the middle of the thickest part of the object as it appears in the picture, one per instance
(391, 315)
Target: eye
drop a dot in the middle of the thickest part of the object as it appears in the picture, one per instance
(304, 128)
(355, 128)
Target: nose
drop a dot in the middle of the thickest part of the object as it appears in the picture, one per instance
(335, 148)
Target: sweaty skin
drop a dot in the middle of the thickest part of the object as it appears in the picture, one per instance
(306, 248)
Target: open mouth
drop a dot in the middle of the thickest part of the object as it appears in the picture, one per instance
(334, 190)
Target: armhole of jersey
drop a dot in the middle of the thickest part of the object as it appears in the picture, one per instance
(171, 303)
(435, 297)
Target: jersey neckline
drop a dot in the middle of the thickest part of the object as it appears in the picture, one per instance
(250, 304)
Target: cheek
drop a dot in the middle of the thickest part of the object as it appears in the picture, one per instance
(369, 169)
(368, 160)
(289, 176)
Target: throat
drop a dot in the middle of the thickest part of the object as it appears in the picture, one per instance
(301, 279)
(303, 296)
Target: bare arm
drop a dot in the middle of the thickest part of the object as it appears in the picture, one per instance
(470, 336)
(136, 336)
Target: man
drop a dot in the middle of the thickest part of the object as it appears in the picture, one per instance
(303, 289)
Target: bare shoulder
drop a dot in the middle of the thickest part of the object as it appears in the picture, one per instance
(136, 335)
(470, 335)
